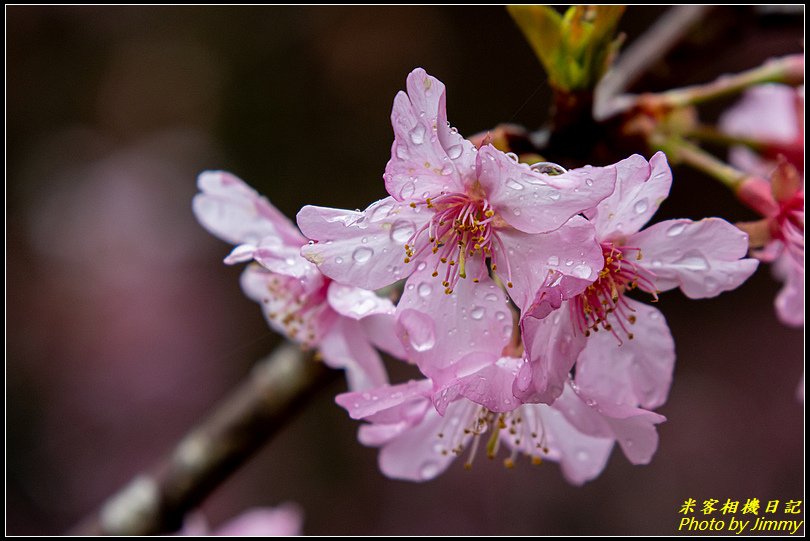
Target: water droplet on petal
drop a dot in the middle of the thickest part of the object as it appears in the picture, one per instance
(500, 316)
(454, 151)
(424, 289)
(491, 297)
(554, 195)
(554, 260)
(418, 134)
(362, 254)
(402, 230)
(641, 206)
(407, 190)
(477, 312)
(428, 470)
(589, 182)
(515, 185)
(693, 260)
(582, 271)
(516, 211)
(569, 262)
(339, 260)
(677, 229)
(656, 263)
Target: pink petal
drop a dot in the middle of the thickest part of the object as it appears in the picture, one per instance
(346, 346)
(363, 249)
(635, 372)
(571, 250)
(420, 166)
(632, 427)
(581, 457)
(702, 258)
(790, 300)
(491, 386)
(640, 189)
(552, 346)
(381, 330)
(765, 113)
(362, 405)
(439, 331)
(416, 455)
(356, 303)
(233, 211)
(538, 203)
(284, 259)
(284, 520)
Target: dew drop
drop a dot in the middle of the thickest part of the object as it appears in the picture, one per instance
(675, 230)
(512, 156)
(454, 151)
(418, 134)
(424, 289)
(693, 260)
(500, 316)
(491, 297)
(516, 211)
(339, 260)
(656, 263)
(582, 271)
(421, 266)
(554, 260)
(554, 195)
(477, 312)
(641, 206)
(569, 262)
(407, 190)
(362, 254)
(402, 152)
(428, 470)
(515, 185)
(401, 231)
(589, 182)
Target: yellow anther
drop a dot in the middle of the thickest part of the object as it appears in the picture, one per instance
(435, 274)
(509, 463)
(489, 213)
(407, 260)
(509, 284)
(631, 318)
(536, 460)
(412, 205)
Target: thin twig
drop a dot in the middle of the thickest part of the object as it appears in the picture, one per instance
(157, 501)
(645, 51)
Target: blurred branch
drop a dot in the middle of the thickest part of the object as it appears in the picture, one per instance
(679, 150)
(787, 70)
(157, 501)
(645, 51)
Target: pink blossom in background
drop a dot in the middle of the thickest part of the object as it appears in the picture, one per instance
(452, 206)
(701, 258)
(773, 115)
(284, 520)
(344, 323)
(771, 118)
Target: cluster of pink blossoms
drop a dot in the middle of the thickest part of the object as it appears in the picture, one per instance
(514, 304)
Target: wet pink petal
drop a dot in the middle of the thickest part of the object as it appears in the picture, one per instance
(535, 202)
(538, 260)
(420, 165)
(581, 457)
(489, 386)
(552, 346)
(790, 300)
(364, 249)
(355, 303)
(702, 258)
(234, 212)
(346, 346)
(390, 398)
(640, 189)
(633, 428)
(635, 372)
(453, 336)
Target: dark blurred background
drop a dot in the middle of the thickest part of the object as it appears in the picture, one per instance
(124, 327)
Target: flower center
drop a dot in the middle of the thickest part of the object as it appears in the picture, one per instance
(789, 227)
(602, 305)
(292, 310)
(523, 427)
(460, 228)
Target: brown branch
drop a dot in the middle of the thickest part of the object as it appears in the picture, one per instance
(156, 501)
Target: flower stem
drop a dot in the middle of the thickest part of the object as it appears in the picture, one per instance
(679, 150)
(158, 500)
(711, 134)
(787, 69)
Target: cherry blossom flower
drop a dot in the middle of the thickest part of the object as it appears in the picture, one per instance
(343, 322)
(418, 444)
(284, 520)
(701, 258)
(772, 117)
(453, 207)
(779, 237)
